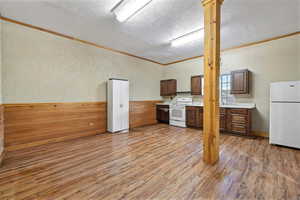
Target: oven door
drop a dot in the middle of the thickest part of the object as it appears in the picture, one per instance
(177, 113)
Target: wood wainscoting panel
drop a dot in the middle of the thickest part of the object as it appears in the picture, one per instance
(34, 124)
(1, 134)
(142, 113)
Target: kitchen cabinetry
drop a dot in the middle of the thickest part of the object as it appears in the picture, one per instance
(162, 113)
(239, 121)
(223, 122)
(194, 116)
(232, 120)
(240, 82)
(168, 87)
(196, 85)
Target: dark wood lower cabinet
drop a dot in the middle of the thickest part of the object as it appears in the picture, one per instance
(232, 120)
(239, 121)
(223, 122)
(162, 113)
(194, 116)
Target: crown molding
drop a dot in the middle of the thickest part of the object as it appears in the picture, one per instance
(239, 46)
(205, 2)
(131, 55)
(76, 39)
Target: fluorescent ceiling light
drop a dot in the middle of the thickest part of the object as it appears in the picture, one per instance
(189, 37)
(128, 8)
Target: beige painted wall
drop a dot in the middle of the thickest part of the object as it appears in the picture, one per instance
(41, 67)
(278, 60)
(1, 127)
(1, 61)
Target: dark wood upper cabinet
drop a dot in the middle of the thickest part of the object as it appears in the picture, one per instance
(172, 87)
(163, 88)
(168, 87)
(240, 82)
(196, 85)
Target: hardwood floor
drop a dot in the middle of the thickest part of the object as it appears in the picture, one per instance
(154, 162)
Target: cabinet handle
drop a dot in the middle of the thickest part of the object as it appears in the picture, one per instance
(239, 126)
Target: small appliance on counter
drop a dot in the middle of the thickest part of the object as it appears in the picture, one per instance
(177, 111)
(285, 114)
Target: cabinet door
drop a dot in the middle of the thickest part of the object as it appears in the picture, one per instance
(239, 121)
(162, 113)
(196, 88)
(240, 81)
(158, 114)
(172, 87)
(116, 106)
(199, 117)
(164, 88)
(223, 123)
(124, 104)
(165, 116)
(190, 116)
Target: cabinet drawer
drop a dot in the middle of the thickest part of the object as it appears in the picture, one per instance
(190, 108)
(239, 128)
(196, 108)
(162, 107)
(222, 111)
(241, 119)
(239, 111)
(222, 122)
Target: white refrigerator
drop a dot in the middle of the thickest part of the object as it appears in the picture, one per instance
(285, 114)
(117, 105)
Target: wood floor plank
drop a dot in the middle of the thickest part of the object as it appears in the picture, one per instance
(154, 162)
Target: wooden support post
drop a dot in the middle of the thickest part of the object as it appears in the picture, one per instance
(212, 13)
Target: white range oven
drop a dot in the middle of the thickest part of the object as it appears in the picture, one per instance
(177, 111)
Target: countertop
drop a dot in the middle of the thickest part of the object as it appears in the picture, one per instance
(164, 104)
(237, 105)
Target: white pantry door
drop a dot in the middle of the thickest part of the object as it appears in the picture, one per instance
(124, 104)
(116, 105)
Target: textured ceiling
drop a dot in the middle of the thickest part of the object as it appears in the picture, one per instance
(148, 33)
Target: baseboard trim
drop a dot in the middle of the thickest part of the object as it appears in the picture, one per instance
(2, 158)
(260, 134)
(2, 153)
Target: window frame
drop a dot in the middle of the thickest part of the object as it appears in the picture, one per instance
(225, 89)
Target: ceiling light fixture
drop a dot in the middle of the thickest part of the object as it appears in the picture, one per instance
(125, 9)
(189, 37)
